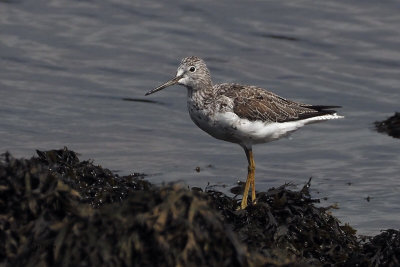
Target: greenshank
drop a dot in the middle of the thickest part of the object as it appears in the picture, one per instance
(242, 114)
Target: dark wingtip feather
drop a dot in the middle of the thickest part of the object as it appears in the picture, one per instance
(321, 108)
(324, 110)
(320, 111)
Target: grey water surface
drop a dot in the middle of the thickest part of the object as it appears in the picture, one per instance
(74, 73)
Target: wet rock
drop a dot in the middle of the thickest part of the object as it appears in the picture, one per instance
(390, 126)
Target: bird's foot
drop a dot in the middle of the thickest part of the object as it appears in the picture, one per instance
(244, 204)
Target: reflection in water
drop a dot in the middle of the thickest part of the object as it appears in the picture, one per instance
(280, 37)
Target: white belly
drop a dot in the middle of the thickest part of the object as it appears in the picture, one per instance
(229, 127)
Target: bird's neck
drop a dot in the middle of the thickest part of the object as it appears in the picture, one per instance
(200, 97)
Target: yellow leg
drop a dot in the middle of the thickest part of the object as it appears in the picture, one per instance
(250, 179)
(253, 179)
(246, 192)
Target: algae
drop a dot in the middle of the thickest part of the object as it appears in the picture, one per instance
(58, 210)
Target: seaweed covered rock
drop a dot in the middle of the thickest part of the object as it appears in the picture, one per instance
(58, 210)
(167, 227)
(383, 249)
(286, 223)
(46, 222)
(390, 126)
(32, 200)
(95, 184)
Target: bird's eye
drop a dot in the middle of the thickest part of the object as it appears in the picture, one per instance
(192, 69)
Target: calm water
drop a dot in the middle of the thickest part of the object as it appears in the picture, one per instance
(66, 66)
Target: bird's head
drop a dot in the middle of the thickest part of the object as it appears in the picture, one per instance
(192, 73)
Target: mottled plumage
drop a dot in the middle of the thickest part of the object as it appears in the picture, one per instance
(241, 114)
(254, 103)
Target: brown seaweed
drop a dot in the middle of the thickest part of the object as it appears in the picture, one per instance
(58, 210)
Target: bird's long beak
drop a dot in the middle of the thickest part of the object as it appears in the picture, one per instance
(165, 85)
